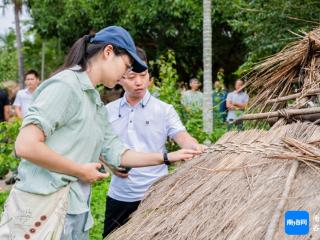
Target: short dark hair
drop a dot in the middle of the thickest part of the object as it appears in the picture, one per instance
(31, 71)
(240, 79)
(194, 79)
(142, 54)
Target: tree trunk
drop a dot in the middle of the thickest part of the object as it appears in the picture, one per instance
(17, 9)
(207, 67)
(43, 57)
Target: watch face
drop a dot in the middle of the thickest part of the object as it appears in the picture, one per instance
(123, 170)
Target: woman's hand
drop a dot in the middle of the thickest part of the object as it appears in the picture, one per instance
(182, 154)
(89, 172)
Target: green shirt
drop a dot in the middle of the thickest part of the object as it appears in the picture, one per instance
(192, 99)
(71, 114)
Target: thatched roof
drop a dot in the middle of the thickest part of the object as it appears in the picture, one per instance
(294, 69)
(234, 190)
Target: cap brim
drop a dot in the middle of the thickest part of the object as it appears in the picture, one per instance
(138, 65)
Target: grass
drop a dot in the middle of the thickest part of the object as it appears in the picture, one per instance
(98, 206)
(3, 197)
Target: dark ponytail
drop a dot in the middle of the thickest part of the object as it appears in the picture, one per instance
(82, 50)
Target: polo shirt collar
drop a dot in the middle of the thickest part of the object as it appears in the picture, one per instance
(143, 102)
(26, 90)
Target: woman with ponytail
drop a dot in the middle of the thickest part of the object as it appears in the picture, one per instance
(63, 136)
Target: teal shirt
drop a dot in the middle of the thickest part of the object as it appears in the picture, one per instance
(71, 114)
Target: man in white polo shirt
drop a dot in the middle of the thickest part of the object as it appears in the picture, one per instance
(24, 96)
(236, 103)
(143, 123)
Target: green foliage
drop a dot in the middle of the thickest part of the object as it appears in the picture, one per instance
(8, 57)
(98, 203)
(168, 79)
(156, 25)
(8, 134)
(32, 54)
(266, 25)
(243, 31)
(3, 198)
(32, 49)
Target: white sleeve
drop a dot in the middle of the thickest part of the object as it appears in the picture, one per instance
(17, 101)
(229, 97)
(173, 122)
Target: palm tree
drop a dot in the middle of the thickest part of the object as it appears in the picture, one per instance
(207, 67)
(17, 4)
(17, 11)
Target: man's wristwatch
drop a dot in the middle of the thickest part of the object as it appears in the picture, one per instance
(166, 160)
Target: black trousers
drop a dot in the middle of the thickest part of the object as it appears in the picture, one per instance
(117, 214)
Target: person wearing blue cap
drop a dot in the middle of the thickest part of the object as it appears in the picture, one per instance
(62, 137)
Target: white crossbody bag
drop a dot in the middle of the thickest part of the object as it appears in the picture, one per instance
(33, 216)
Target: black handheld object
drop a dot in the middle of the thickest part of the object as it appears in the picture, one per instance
(102, 169)
(120, 169)
(123, 169)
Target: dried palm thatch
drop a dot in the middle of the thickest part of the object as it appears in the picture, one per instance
(296, 67)
(239, 189)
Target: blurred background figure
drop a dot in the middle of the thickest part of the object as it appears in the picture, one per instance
(4, 105)
(7, 97)
(153, 88)
(24, 96)
(193, 98)
(236, 104)
(11, 87)
(182, 87)
(219, 97)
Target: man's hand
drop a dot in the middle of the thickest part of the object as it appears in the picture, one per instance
(182, 154)
(186, 141)
(239, 106)
(199, 147)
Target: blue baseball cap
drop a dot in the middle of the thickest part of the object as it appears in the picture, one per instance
(121, 38)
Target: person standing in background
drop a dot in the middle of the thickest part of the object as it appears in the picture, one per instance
(4, 105)
(219, 97)
(12, 88)
(236, 103)
(193, 98)
(154, 90)
(24, 96)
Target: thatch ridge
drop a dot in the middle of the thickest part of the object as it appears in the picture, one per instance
(295, 68)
